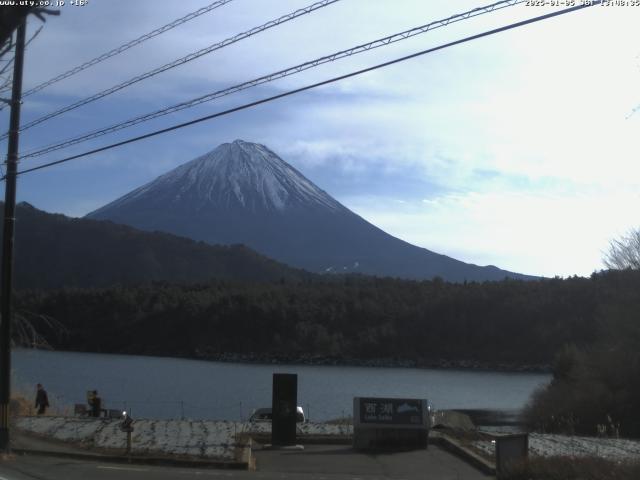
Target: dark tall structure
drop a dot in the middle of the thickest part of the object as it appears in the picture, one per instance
(7, 241)
(284, 408)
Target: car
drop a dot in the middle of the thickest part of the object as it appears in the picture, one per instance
(266, 415)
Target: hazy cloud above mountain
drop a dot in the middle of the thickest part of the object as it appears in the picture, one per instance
(518, 150)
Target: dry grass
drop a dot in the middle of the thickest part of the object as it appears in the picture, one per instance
(340, 421)
(20, 406)
(572, 468)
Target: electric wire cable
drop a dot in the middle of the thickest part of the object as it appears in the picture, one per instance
(38, 151)
(181, 61)
(126, 46)
(315, 85)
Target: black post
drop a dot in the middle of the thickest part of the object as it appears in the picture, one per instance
(129, 444)
(7, 241)
(283, 409)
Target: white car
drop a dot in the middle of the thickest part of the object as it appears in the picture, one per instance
(265, 415)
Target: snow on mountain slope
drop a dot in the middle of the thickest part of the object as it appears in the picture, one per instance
(238, 174)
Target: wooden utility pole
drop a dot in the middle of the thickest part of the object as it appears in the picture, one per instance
(6, 289)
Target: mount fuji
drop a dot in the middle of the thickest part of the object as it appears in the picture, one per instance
(244, 193)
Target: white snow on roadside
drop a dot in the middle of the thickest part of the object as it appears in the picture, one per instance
(204, 439)
(547, 445)
(199, 438)
(324, 429)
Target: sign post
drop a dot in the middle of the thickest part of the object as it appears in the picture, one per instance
(390, 423)
(511, 449)
(127, 426)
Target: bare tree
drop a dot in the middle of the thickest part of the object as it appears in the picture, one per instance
(624, 252)
(28, 330)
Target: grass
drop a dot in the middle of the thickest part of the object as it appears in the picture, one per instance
(22, 404)
(572, 468)
(340, 421)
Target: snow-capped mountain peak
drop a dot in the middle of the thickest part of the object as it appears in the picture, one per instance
(237, 175)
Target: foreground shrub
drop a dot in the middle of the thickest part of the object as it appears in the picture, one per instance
(593, 392)
(571, 468)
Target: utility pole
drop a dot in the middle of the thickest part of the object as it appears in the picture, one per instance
(7, 240)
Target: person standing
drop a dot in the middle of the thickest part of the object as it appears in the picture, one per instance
(42, 400)
(95, 402)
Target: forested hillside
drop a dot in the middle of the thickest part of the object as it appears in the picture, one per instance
(54, 251)
(342, 318)
(595, 388)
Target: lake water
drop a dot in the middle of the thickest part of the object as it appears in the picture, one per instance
(159, 387)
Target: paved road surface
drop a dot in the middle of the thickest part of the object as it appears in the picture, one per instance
(314, 463)
(341, 462)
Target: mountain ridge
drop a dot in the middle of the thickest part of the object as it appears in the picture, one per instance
(55, 251)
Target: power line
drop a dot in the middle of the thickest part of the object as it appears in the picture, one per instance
(181, 61)
(315, 85)
(275, 76)
(126, 46)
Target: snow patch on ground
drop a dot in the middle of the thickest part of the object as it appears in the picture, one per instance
(199, 438)
(546, 445)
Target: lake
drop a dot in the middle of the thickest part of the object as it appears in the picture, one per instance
(160, 387)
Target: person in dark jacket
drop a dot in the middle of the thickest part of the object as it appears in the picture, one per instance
(42, 401)
(95, 402)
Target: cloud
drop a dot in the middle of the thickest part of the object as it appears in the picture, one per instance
(541, 233)
(516, 150)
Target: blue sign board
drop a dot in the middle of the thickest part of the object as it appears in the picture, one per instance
(390, 411)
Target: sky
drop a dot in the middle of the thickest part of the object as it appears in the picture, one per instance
(518, 150)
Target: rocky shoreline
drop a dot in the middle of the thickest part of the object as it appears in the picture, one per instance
(335, 361)
(318, 360)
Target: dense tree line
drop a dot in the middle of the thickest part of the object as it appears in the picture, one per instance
(510, 322)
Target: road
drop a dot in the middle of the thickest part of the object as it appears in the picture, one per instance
(314, 463)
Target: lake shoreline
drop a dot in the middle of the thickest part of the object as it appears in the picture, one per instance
(331, 361)
(328, 361)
